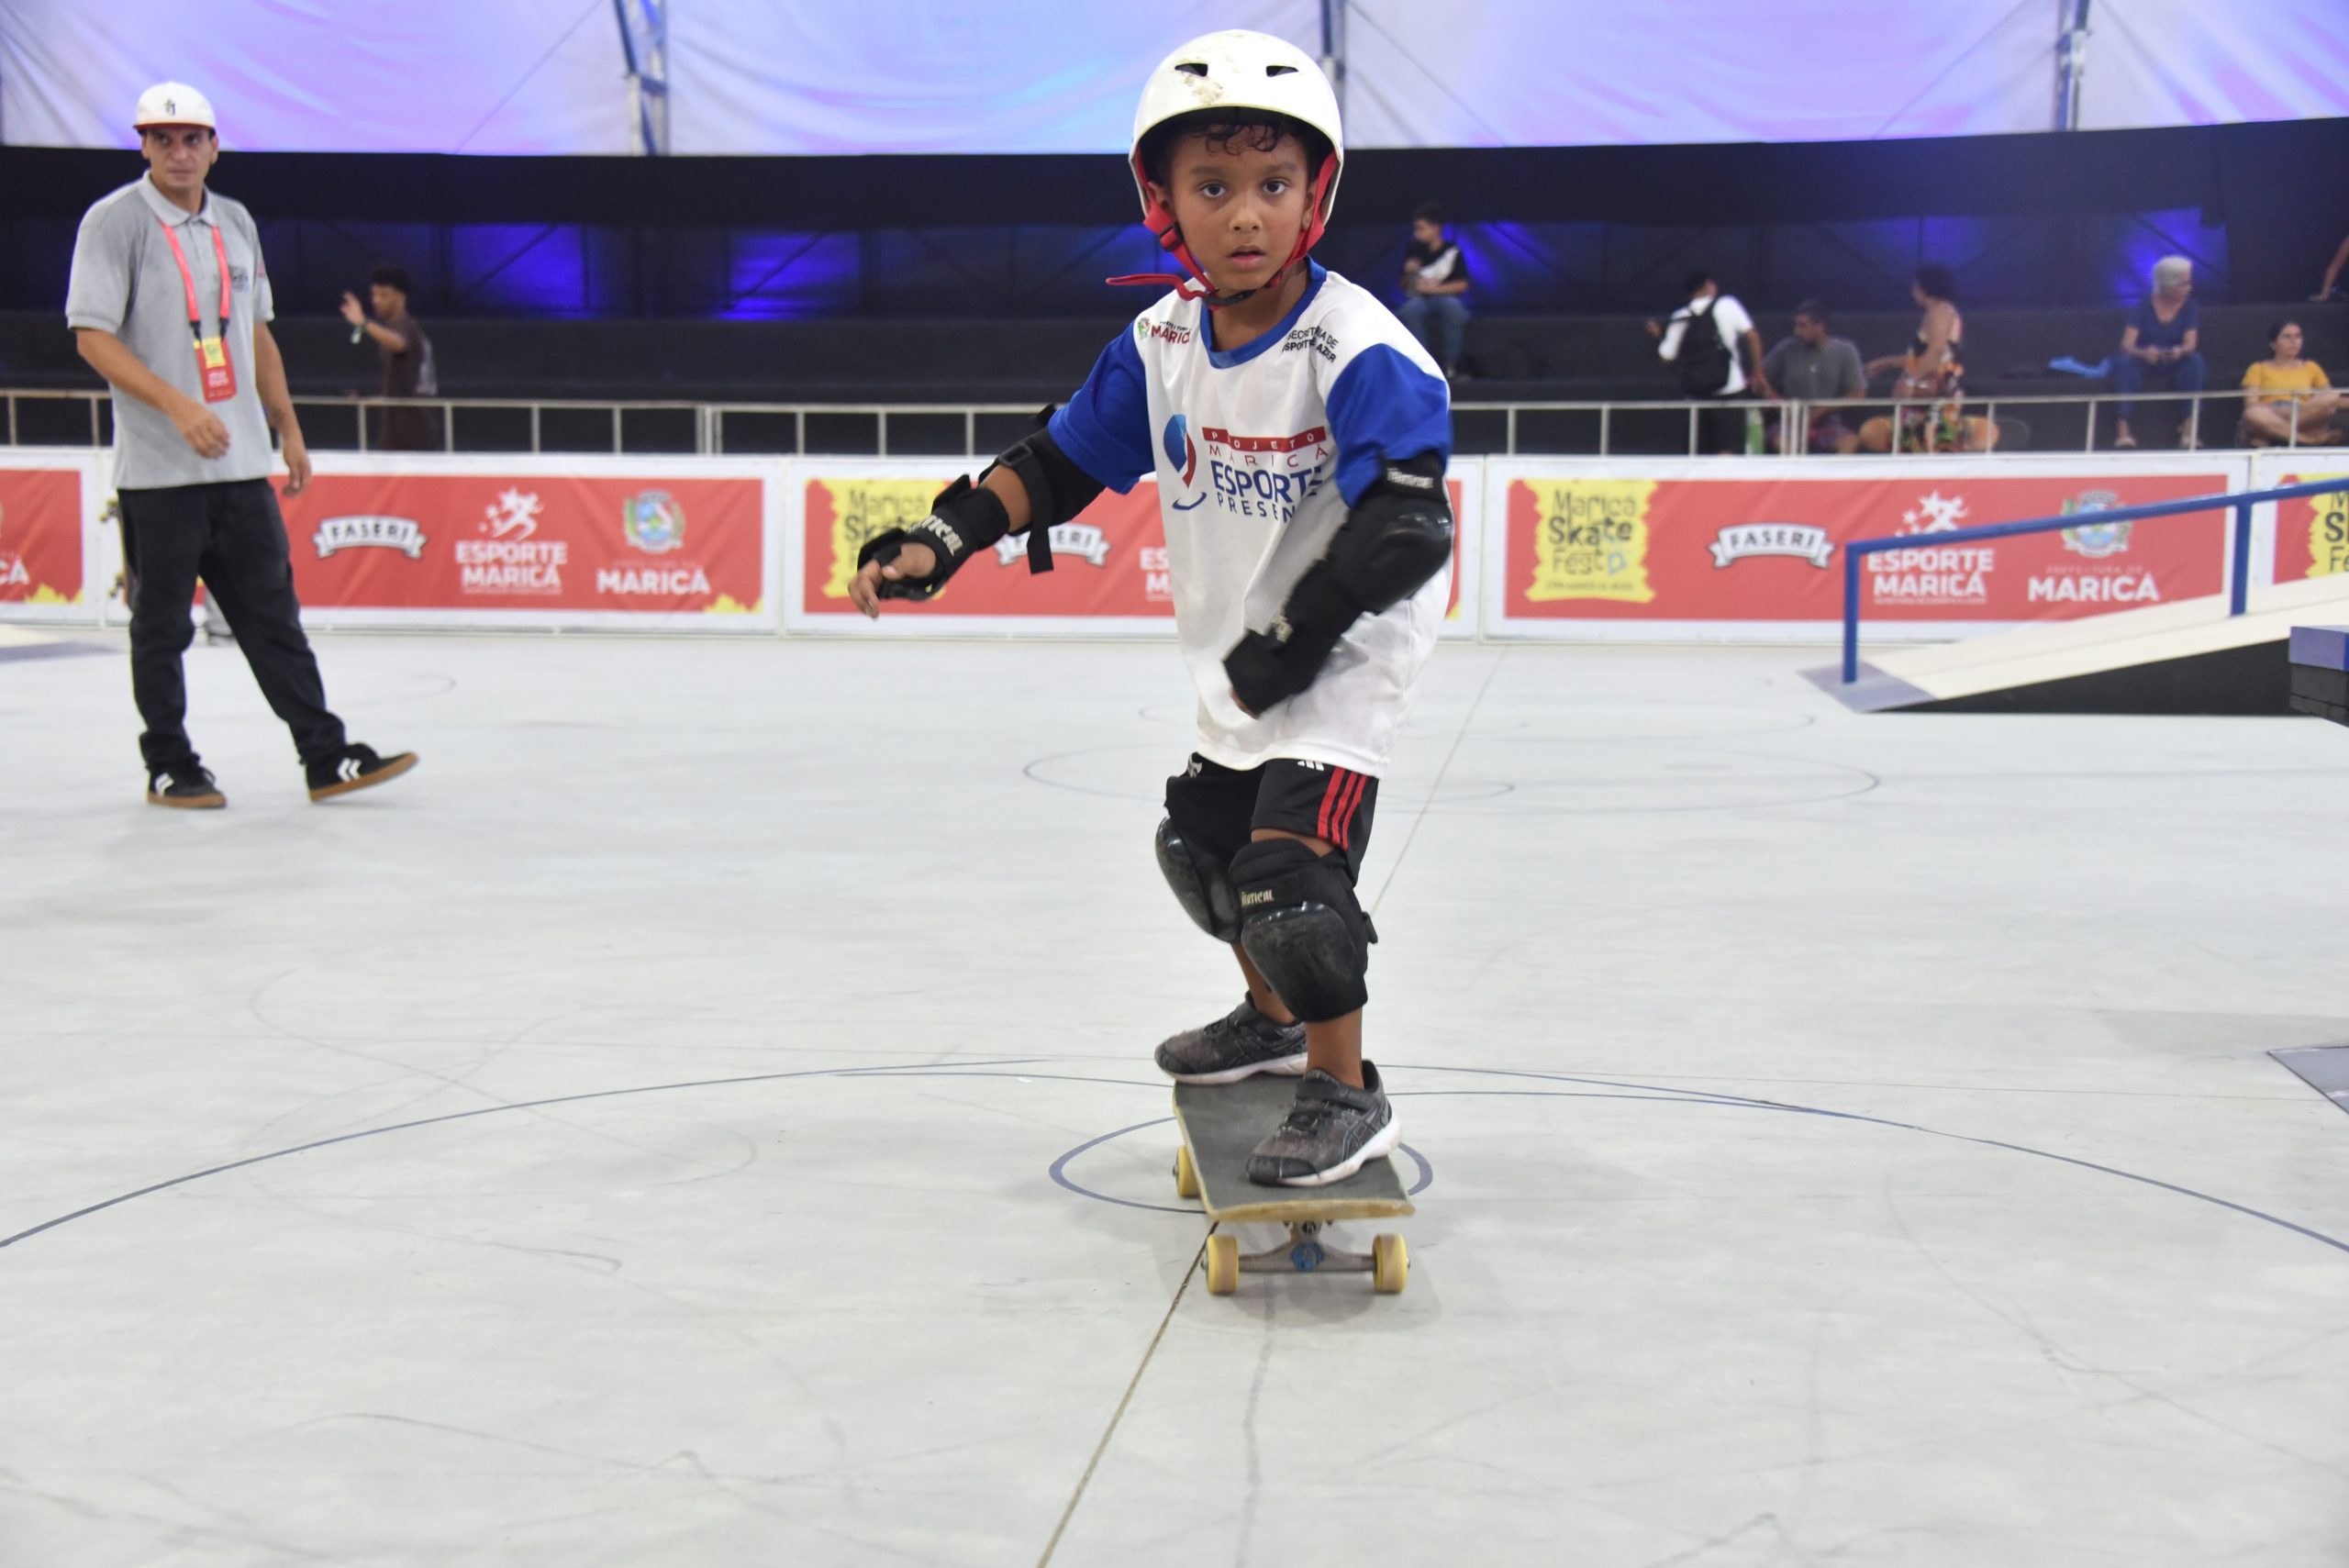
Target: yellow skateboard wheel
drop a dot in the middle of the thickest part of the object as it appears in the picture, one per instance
(1186, 1174)
(1223, 1264)
(1390, 1264)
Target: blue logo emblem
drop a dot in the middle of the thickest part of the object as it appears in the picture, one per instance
(1182, 454)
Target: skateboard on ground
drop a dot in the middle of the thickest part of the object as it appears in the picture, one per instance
(1220, 1124)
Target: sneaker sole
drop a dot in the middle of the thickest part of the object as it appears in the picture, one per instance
(189, 803)
(1281, 1066)
(1382, 1143)
(384, 774)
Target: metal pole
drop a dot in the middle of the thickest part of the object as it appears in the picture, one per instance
(2194, 424)
(95, 439)
(800, 433)
(2292, 424)
(2091, 436)
(1851, 615)
(12, 420)
(363, 426)
(2071, 61)
(1333, 49)
(2240, 590)
(881, 423)
(534, 430)
(616, 427)
(970, 432)
(448, 427)
(1605, 409)
(1692, 429)
(1508, 443)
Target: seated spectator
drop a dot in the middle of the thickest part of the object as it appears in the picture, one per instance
(1435, 274)
(2164, 340)
(2273, 414)
(1811, 368)
(1930, 416)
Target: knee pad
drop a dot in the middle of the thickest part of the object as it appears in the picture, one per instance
(1202, 885)
(1302, 928)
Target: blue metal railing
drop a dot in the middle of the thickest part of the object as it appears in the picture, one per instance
(2241, 501)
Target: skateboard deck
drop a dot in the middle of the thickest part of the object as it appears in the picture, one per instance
(1222, 1124)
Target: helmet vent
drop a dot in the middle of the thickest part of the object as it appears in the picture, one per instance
(1192, 68)
(1280, 71)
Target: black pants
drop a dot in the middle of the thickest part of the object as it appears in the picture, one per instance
(232, 537)
(1216, 808)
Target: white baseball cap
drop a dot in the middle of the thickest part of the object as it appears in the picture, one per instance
(172, 103)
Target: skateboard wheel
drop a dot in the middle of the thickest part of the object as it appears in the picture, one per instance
(1390, 1264)
(1223, 1264)
(1186, 1174)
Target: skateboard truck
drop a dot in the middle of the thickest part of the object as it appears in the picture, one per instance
(1304, 1252)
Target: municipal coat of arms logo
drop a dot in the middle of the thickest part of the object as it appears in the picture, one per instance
(2095, 540)
(653, 522)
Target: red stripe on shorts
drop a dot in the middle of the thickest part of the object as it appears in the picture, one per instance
(1338, 777)
(1361, 786)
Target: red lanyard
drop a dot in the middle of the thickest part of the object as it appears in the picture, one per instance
(187, 276)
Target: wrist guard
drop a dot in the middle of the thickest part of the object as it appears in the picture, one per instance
(1395, 538)
(962, 521)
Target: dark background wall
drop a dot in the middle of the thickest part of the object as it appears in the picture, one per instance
(2029, 221)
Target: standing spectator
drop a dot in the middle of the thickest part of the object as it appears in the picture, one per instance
(2333, 273)
(408, 370)
(1930, 393)
(1435, 274)
(1812, 367)
(1702, 344)
(168, 301)
(2280, 419)
(2163, 339)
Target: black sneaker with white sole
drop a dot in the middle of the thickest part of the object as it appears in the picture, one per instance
(1333, 1131)
(355, 767)
(1241, 1044)
(190, 788)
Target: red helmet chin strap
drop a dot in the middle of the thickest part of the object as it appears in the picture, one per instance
(1193, 282)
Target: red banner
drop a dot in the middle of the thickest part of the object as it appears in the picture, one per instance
(1745, 550)
(2312, 532)
(527, 542)
(40, 536)
(1111, 561)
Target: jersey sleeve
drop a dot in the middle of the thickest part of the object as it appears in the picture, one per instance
(1105, 428)
(1383, 406)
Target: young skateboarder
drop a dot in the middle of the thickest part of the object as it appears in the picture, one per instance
(1300, 434)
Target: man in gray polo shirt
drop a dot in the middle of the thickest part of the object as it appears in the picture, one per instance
(170, 302)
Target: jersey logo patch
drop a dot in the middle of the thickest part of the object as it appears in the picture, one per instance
(1182, 453)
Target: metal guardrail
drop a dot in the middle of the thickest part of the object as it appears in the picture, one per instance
(2239, 543)
(708, 421)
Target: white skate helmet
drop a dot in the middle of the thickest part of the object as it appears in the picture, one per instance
(1239, 71)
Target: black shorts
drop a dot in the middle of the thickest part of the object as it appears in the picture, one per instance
(1215, 807)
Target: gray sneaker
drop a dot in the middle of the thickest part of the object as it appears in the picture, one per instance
(1333, 1131)
(1242, 1043)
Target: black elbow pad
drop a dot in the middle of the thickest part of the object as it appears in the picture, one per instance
(1395, 538)
(1057, 488)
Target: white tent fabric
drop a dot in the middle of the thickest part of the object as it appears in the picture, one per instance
(1025, 76)
(322, 76)
(2154, 62)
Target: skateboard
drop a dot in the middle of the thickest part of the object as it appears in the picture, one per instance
(1220, 1124)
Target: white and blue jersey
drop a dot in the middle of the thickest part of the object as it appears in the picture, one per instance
(1259, 452)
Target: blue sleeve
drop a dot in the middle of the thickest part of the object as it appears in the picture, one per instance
(1105, 428)
(1382, 407)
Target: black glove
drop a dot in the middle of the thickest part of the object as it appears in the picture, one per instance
(962, 521)
(1268, 667)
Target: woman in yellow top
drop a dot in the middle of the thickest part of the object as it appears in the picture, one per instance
(2271, 412)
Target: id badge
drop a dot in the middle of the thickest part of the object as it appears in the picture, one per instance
(212, 366)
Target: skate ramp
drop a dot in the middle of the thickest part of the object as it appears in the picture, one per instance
(2190, 657)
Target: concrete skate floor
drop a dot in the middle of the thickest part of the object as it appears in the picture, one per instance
(704, 1116)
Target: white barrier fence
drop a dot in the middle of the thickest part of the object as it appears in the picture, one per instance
(1729, 549)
